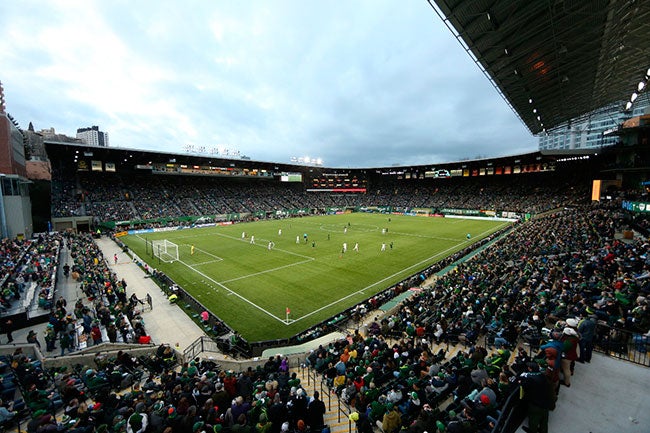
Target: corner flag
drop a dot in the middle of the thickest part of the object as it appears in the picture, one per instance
(288, 310)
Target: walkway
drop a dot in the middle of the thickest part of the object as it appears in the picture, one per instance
(165, 323)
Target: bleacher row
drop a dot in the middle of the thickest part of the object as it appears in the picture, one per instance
(114, 198)
(28, 272)
(104, 313)
(563, 266)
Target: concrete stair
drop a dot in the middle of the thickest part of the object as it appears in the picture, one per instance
(336, 412)
(336, 415)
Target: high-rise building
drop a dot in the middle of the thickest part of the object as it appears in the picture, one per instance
(15, 203)
(93, 136)
(594, 130)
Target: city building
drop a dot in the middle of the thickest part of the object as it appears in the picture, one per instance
(594, 130)
(15, 204)
(93, 136)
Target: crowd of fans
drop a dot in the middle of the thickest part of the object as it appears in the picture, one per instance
(108, 316)
(546, 284)
(25, 264)
(112, 198)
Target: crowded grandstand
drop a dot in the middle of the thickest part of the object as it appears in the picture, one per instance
(493, 335)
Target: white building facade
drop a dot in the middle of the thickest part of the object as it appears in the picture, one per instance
(93, 136)
(592, 131)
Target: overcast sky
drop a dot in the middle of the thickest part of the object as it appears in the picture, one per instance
(356, 83)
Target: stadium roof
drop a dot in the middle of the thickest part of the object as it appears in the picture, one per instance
(568, 57)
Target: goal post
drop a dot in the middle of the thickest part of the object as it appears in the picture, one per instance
(165, 250)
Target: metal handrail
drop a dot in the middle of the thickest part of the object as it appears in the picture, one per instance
(503, 422)
(622, 344)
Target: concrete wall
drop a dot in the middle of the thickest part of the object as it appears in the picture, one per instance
(18, 212)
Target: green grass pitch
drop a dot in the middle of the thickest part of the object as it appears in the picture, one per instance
(250, 286)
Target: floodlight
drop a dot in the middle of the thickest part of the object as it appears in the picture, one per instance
(640, 86)
(530, 100)
(634, 96)
(534, 110)
(628, 105)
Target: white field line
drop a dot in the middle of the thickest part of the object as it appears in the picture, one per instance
(267, 271)
(217, 258)
(310, 259)
(233, 292)
(395, 274)
(209, 262)
(262, 244)
(229, 291)
(364, 229)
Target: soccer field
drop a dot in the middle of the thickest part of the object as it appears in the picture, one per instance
(250, 286)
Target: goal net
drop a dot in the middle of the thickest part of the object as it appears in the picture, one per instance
(165, 250)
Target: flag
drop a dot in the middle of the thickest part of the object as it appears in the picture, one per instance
(288, 310)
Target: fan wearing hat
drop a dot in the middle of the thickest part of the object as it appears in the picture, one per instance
(392, 420)
(587, 331)
(553, 353)
(138, 421)
(570, 340)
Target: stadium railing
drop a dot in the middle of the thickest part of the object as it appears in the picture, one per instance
(326, 393)
(622, 344)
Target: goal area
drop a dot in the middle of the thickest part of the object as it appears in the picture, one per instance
(165, 250)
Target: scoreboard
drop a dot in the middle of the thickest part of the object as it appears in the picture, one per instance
(338, 182)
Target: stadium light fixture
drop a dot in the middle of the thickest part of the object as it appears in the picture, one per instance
(641, 86)
(634, 96)
(530, 100)
(535, 110)
(628, 106)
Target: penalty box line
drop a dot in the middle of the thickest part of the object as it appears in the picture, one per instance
(307, 259)
(217, 259)
(394, 275)
(230, 291)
